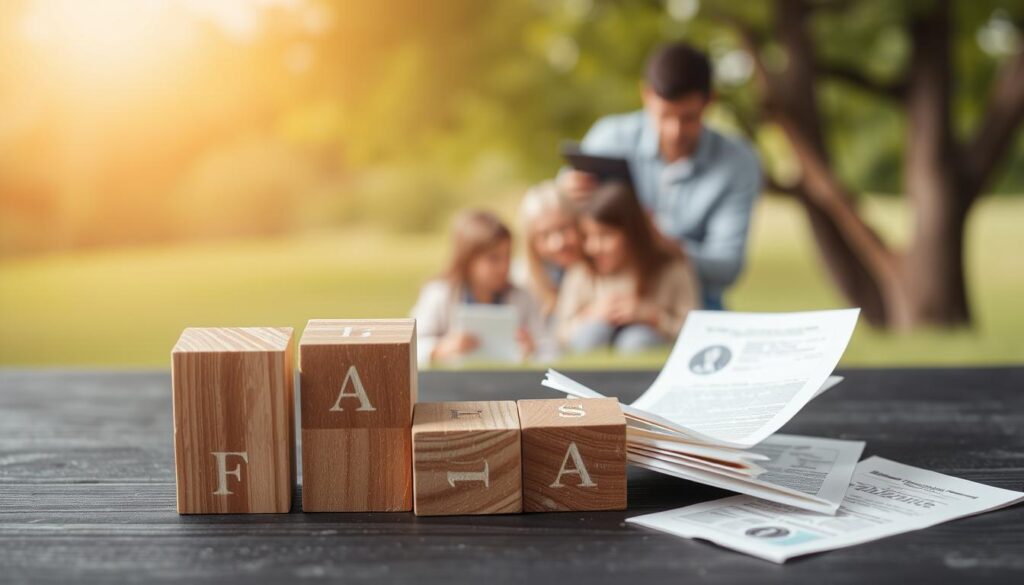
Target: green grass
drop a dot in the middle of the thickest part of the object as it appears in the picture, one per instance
(127, 307)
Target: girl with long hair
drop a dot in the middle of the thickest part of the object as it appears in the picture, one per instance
(478, 273)
(634, 289)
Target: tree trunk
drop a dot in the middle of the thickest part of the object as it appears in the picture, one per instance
(932, 267)
(924, 285)
(854, 255)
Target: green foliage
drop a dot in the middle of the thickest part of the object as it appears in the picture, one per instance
(397, 113)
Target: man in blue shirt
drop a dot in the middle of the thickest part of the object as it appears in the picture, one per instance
(699, 185)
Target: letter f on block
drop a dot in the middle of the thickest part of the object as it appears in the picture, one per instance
(223, 473)
(358, 391)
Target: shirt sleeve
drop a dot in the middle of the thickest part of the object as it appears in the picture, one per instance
(430, 313)
(719, 257)
(604, 138)
(679, 294)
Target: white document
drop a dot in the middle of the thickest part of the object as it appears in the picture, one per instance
(884, 498)
(830, 383)
(733, 379)
(812, 465)
(809, 473)
(636, 435)
(562, 383)
(494, 327)
(736, 378)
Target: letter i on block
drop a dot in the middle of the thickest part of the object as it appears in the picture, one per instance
(234, 420)
(358, 385)
(574, 454)
(466, 458)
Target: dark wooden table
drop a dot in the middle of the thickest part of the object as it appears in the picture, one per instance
(87, 495)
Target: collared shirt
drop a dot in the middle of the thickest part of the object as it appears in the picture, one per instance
(704, 202)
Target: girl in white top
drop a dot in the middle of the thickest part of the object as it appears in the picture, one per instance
(478, 273)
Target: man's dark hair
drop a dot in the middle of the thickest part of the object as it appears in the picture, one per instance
(678, 69)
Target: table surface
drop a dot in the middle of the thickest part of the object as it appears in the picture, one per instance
(87, 494)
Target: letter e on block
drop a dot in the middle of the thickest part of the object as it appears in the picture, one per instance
(234, 429)
(574, 454)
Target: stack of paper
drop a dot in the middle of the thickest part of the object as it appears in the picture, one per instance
(884, 498)
(731, 381)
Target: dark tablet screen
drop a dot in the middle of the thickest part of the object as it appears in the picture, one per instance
(605, 168)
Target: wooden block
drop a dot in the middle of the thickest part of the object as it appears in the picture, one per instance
(574, 454)
(466, 458)
(234, 425)
(358, 387)
(348, 460)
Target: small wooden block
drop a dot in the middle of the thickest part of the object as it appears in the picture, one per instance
(358, 387)
(234, 425)
(349, 461)
(466, 458)
(574, 454)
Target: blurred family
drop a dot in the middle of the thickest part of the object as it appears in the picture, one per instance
(478, 274)
(606, 266)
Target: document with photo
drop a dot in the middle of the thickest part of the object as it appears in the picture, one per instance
(884, 498)
(731, 381)
(736, 378)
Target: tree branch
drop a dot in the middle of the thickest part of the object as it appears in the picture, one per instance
(832, 5)
(858, 78)
(794, 190)
(995, 134)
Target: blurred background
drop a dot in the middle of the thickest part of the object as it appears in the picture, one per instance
(173, 163)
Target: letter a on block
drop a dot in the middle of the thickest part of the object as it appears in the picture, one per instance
(578, 468)
(358, 391)
(563, 438)
(223, 473)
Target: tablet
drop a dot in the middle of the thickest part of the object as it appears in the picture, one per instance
(494, 327)
(605, 168)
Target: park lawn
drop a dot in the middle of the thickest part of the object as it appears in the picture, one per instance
(125, 308)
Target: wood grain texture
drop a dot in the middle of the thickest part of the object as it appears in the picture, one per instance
(366, 470)
(574, 455)
(466, 458)
(87, 495)
(234, 420)
(358, 385)
(383, 353)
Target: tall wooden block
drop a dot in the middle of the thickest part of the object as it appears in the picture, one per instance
(466, 458)
(234, 425)
(574, 454)
(358, 385)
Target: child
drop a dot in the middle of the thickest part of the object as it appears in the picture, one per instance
(478, 273)
(552, 242)
(634, 290)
